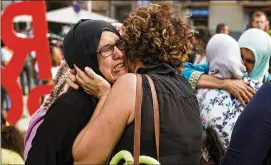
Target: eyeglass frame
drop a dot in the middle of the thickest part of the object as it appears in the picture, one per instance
(114, 45)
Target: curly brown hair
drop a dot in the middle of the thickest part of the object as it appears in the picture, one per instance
(153, 34)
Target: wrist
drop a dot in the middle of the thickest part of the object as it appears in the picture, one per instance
(104, 95)
(225, 85)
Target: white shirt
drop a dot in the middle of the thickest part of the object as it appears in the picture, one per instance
(5, 55)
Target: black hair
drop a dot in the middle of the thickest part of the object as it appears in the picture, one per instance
(214, 145)
(203, 35)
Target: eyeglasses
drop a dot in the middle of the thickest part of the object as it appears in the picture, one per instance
(250, 61)
(110, 49)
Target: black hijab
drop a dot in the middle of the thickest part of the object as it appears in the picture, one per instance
(71, 112)
(81, 43)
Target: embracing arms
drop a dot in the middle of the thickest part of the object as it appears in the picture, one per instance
(198, 78)
(96, 141)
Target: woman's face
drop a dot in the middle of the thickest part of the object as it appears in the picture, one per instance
(111, 58)
(248, 59)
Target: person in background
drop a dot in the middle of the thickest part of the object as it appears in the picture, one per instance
(56, 59)
(222, 28)
(200, 40)
(259, 20)
(6, 55)
(11, 144)
(267, 27)
(218, 108)
(26, 73)
(255, 48)
(251, 136)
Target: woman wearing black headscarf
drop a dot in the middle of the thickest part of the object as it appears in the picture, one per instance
(71, 112)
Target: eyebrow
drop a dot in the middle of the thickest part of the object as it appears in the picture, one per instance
(104, 46)
(109, 44)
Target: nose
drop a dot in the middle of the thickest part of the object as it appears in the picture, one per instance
(244, 62)
(118, 53)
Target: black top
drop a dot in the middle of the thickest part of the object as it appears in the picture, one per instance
(251, 136)
(54, 138)
(180, 123)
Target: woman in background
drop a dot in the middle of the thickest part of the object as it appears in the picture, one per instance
(200, 40)
(219, 109)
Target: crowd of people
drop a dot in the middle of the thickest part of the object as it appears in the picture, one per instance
(212, 93)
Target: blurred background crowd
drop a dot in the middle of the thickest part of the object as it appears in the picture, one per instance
(205, 17)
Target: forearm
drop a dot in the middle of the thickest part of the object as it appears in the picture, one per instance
(207, 81)
(79, 141)
(99, 107)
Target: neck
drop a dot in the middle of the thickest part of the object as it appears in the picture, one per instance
(136, 66)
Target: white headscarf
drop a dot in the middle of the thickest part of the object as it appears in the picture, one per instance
(224, 57)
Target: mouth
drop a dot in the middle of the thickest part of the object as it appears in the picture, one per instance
(119, 67)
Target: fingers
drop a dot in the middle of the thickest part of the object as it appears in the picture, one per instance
(244, 96)
(90, 72)
(71, 75)
(82, 74)
(72, 71)
(251, 90)
(71, 81)
(240, 99)
(250, 93)
(79, 80)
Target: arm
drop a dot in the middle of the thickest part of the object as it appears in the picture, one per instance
(208, 81)
(237, 88)
(96, 141)
(197, 78)
(192, 72)
(250, 140)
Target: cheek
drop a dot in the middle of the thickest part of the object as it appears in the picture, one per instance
(250, 67)
(105, 66)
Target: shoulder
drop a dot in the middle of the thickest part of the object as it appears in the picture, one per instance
(74, 97)
(126, 81)
(265, 89)
(73, 103)
(261, 100)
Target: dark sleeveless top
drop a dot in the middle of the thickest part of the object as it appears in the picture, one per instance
(180, 123)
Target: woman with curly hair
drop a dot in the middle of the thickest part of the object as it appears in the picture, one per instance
(157, 45)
